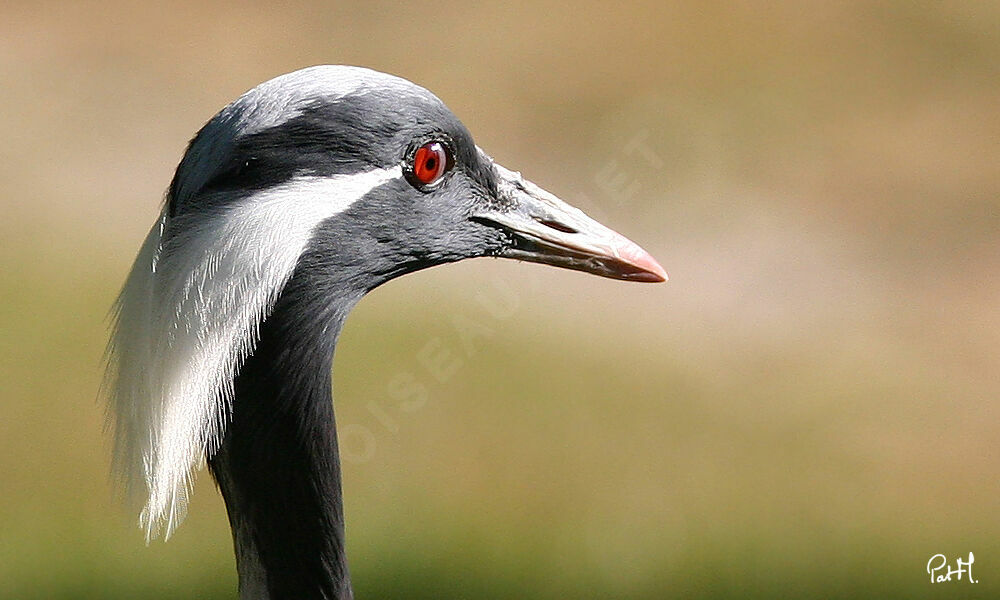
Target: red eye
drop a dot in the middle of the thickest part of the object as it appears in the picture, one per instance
(430, 163)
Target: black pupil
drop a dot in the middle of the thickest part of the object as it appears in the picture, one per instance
(430, 163)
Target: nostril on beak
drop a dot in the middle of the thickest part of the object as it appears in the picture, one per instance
(557, 226)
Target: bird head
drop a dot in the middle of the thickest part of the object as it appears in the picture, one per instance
(394, 179)
(342, 175)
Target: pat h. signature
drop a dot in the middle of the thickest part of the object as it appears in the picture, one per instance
(938, 563)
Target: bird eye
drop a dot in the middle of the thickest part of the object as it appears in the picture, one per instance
(430, 162)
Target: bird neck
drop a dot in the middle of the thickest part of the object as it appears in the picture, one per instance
(278, 467)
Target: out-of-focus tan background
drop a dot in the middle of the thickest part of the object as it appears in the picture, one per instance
(809, 408)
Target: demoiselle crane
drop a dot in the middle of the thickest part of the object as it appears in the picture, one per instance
(289, 205)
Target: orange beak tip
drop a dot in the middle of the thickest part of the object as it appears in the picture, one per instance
(648, 269)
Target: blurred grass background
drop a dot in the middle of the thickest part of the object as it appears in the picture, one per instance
(807, 409)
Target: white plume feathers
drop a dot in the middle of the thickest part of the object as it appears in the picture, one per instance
(203, 282)
(188, 317)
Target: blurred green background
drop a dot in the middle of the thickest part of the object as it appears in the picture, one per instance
(807, 409)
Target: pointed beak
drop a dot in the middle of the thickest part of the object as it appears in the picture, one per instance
(544, 229)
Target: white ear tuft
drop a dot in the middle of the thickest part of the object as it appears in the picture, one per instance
(188, 317)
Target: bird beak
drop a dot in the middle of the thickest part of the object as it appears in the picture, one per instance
(547, 230)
